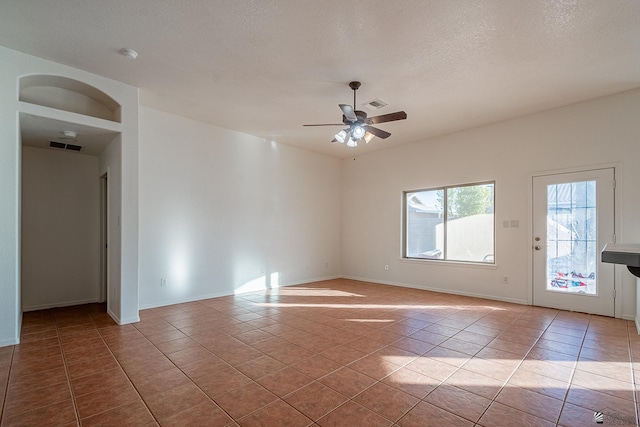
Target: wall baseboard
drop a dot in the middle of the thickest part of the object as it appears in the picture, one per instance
(114, 317)
(225, 294)
(441, 290)
(471, 294)
(124, 321)
(13, 341)
(181, 300)
(59, 304)
(127, 320)
(317, 279)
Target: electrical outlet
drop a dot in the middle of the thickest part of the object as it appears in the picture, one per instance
(326, 265)
(163, 282)
(505, 280)
(386, 267)
(262, 270)
(307, 268)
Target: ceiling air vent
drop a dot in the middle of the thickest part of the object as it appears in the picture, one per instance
(376, 104)
(65, 146)
(54, 144)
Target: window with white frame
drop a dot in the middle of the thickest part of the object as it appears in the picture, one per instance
(453, 223)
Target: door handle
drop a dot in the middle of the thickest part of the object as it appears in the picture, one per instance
(537, 247)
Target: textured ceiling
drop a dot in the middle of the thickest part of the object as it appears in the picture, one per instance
(268, 67)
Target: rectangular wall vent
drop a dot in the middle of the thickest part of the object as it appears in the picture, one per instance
(65, 146)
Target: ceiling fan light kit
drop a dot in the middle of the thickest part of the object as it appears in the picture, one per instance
(357, 132)
(359, 125)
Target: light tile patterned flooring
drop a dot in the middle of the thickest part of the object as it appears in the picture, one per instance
(334, 353)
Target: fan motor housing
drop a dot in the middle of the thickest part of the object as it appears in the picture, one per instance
(361, 115)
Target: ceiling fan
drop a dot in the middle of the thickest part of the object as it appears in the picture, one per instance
(359, 125)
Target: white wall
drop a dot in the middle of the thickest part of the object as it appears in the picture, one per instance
(10, 309)
(60, 229)
(217, 206)
(600, 131)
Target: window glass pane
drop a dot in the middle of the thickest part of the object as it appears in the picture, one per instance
(470, 223)
(425, 216)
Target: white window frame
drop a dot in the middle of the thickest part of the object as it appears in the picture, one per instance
(444, 259)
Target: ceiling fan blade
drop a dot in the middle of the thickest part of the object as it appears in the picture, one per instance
(348, 112)
(327, 124)
(399, 115)
(378, 132)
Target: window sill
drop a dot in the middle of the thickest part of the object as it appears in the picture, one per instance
(431, 262)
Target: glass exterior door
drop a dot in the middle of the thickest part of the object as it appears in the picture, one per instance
(573, 220)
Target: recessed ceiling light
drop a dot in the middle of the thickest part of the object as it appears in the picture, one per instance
(129, 53)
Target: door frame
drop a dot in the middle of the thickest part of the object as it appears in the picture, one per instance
(103, 295)
(617, 272)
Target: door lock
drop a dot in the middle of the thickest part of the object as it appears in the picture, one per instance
(537, 247)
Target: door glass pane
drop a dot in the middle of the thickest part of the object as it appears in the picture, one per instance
(571, 237)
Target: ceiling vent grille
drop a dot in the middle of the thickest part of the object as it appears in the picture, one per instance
(54, 144)
(376, 104)
(65, 146)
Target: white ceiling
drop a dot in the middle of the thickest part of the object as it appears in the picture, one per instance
(268, 67)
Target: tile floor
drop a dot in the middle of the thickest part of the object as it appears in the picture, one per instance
(334, 353)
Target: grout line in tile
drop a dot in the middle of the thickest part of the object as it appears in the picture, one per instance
(66, 372)
(288, 323)
(190, 380)
(522, 359)
(73, 395)
(6, 388)
(633, 378)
